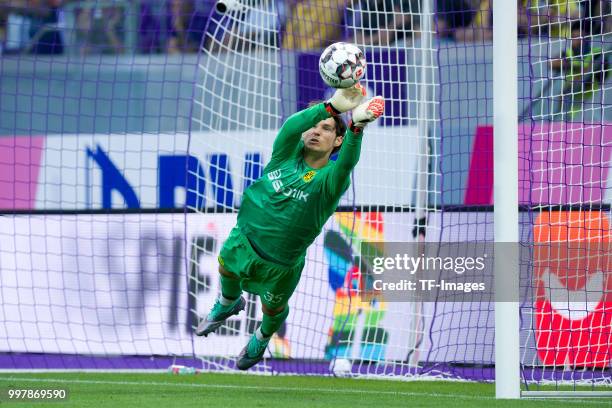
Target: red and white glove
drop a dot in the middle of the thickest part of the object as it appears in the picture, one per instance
(345, 99)
(367, 112)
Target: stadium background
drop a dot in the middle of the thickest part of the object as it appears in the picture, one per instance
(97, 144)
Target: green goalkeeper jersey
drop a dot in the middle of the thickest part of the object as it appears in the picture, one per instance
(284, 210)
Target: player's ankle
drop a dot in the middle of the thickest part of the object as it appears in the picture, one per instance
(261, 336)
(225, 301)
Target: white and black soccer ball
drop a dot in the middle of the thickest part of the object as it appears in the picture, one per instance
(341, 367)
(342, 65)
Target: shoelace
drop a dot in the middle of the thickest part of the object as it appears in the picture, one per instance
(256, 347)
(217, 308)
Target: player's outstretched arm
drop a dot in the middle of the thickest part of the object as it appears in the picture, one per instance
(348, 157)
(291, 132)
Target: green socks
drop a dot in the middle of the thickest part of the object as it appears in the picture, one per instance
(270, 324)
(230, 289)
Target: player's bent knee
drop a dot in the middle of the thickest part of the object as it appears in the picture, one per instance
(227, 273)
(274, 311)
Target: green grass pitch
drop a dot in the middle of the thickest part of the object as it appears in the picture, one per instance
(235, 390)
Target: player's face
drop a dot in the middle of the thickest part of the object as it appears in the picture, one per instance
(322, 137)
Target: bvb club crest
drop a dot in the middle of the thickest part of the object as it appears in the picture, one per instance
(309, 176)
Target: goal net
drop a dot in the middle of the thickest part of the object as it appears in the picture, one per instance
(442, 123)
(565, 143)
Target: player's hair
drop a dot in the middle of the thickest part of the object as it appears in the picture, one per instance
(340, 126)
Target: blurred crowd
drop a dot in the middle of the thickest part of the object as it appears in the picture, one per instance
(175, 26)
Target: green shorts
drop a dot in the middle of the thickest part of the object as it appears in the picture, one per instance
(274, 283)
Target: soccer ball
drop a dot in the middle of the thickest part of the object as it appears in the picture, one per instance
(341, 367)
(342, 65)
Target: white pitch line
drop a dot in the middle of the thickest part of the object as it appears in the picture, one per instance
(283, 389)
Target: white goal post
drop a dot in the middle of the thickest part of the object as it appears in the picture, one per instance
(505, 199)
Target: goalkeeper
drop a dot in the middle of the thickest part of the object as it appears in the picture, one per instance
(284, 211)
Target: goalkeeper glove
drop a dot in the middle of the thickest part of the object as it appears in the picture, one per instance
(367, 112)
(345, 99)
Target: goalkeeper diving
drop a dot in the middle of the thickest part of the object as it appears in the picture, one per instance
(284, 211)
